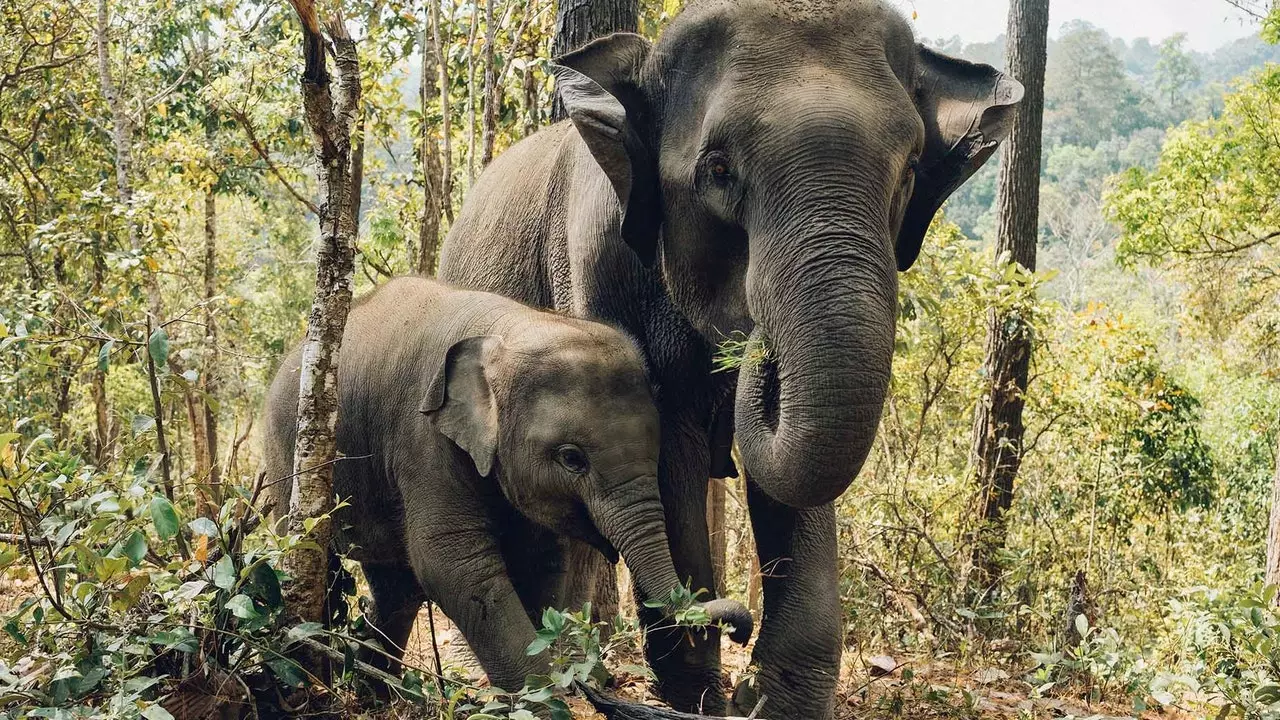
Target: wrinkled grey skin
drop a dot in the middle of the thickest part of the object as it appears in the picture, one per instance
(478, 431)
(767, 168)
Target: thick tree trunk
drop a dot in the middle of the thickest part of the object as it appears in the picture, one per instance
(578, 22)
(330, 116)
(429, 153)
(1273, 532)
(998, 430)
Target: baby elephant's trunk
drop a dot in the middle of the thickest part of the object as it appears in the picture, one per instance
(639, 532)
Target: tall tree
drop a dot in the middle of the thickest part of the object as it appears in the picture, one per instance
(489, 113)
(998, 430)
(578, 22)
(330, 115)
(433, 181)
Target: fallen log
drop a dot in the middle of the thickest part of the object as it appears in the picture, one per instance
(614, 709)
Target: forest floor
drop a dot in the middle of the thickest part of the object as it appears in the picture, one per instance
(918, 688)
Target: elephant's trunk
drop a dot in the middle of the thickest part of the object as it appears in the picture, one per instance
(823, 297)
(639, 532)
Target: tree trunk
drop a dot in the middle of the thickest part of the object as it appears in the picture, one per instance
(489, 121)
(471, 95)
(209, 378)
(716, 528)
(578, 22)
(446, 113)
(1273, 532)
(330, 116)
(998, 430)
(122, 126)
(432, 177)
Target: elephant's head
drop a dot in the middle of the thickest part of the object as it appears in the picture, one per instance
(559, 412)
(782, 160)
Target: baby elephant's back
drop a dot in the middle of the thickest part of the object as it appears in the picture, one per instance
(379, 385)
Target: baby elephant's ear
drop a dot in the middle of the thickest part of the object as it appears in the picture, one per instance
(460, 399)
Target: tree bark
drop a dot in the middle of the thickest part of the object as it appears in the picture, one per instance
(489, 121)
(446, 113)
(122, 126)
(998, 430)
(1273, 531)
(578, 22)
(330, 114)
(717, 529)
(429, 152)
(209, 378)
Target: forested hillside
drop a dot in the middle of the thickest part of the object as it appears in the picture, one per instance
(159, 209)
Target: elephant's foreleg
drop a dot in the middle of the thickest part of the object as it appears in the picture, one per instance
(798, 648)
(688, 673)
(464, 573)
(396, 601)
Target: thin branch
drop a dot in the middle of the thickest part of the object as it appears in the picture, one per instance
(257, 146)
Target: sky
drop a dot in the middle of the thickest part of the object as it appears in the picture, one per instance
(1209, 24)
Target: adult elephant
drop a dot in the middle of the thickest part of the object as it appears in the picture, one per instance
(766, 169)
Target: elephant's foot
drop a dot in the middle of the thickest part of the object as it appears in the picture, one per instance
(688, 676)
(795, 692)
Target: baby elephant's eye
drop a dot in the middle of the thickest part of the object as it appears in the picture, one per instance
(573, 459)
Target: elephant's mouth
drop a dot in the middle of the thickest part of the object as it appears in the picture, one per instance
(587, 533)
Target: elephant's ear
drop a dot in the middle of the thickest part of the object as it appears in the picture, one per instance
(967, 110)
(600, 87)
(460, 399)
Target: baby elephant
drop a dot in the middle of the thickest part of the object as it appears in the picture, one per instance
(478, 432)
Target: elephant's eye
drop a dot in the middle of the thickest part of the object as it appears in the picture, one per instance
(719, 168)
(573, 459)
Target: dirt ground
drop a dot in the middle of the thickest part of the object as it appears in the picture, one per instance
(916, 688)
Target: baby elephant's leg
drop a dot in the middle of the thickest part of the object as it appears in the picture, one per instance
(468, 579)
(397, 598)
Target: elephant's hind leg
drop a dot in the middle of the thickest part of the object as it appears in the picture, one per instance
(798, 648)
(396, 600)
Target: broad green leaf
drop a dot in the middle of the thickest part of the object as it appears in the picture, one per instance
(104, 356)
(165, 517)
(203, 526)
(224, 573)
(289, 672)
(242, 607)
(135, 548)
(155, 712)
(190, 589)
(141, 424)
(158, 346)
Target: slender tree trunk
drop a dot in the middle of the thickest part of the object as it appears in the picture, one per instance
(446, 112)
(103, 436)
(578, 22)
(122, 139)
(471, 95)
(533, 116)
(998, 430)
(1273, 532)
(209, 378)
(491, 91)
(330, 114)
(358, 132)
(717, 528)
(429, 152)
